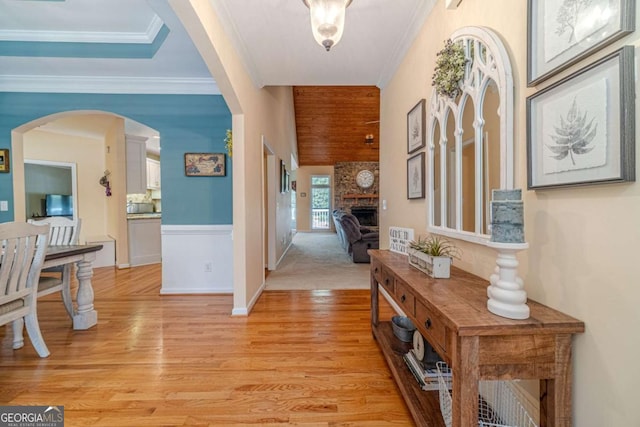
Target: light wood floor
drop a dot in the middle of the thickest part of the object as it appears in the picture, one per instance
(301, 358)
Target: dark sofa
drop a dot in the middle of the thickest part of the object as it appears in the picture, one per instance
(354, 238)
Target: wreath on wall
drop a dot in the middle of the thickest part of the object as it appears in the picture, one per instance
(449, 69)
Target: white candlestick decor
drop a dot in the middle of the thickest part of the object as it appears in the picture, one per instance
(507, 297)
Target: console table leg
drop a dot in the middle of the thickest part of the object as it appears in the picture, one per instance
(465, 383)
(374, 301)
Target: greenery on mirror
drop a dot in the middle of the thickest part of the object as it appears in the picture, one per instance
(434, 245)
(228, 141)
(449, 69)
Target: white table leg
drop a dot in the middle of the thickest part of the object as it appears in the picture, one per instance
(85, 316)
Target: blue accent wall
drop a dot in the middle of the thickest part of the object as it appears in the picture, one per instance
(187, 123)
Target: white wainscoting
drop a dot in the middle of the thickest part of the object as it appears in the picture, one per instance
(189, 251)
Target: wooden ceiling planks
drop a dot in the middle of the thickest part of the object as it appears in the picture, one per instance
(332, 122)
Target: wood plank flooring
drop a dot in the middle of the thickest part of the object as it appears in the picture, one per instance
(302, 358)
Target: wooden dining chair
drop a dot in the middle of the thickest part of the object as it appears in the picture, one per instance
(63, 231)
(21, 257)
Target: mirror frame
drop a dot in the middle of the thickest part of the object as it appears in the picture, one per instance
(493, 65)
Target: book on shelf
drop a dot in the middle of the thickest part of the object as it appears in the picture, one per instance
(426, 378)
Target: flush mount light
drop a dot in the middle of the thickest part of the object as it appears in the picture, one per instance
(327, 20)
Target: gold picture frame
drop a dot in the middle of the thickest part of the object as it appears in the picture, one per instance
(4, 160)
(205, 164)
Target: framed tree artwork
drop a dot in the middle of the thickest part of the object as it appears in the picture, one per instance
(561, 33)
(581, 130)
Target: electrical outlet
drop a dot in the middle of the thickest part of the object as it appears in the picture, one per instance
(208, 267)
(4, 205)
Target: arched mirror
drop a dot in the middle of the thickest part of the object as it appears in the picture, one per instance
(471, 140)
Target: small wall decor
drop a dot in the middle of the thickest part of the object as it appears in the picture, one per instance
(415, 177)
(228, 142)
(581, 130)
(561, 33)
(104, 181)
(284, 177)
(416, 122)
(4, 160)
(204, 164)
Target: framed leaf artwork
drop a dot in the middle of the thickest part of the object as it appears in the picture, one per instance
(581, 130)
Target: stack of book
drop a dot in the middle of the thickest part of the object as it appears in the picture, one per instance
(427, 377)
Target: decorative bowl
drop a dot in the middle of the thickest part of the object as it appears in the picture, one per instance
(403, 328)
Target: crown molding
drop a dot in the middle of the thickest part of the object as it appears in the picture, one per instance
(116, 85)
(146, 37)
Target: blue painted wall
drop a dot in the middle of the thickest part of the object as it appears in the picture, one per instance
(187, 123)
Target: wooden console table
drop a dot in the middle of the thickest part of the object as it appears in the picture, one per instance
(452, 315)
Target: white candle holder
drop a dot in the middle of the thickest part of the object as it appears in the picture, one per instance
(507, 297)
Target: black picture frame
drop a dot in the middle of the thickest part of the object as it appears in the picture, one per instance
(415, 176)
(205, 164)
(416, 127)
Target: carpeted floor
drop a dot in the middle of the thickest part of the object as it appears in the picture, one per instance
(316, 261)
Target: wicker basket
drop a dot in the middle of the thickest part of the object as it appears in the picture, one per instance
(498, 403)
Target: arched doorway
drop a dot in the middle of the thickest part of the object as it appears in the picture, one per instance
(95, 141)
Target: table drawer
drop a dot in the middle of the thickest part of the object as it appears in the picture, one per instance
(405, 298)
(382, 276)
(431, 326)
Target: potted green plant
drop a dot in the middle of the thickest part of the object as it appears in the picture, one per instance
(433, 255)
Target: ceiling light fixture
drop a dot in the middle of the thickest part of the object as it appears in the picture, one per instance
(327, 20)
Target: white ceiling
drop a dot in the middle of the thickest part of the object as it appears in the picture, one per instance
(273, 38)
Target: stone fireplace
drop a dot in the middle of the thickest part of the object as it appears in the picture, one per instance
(367, 215)
(348, 196)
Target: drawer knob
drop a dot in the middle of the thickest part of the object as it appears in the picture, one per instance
(403, 298)
(386, 281)
(375, 270)
(427, 324)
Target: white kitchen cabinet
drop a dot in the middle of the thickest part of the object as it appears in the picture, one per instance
(153, 174)
(145, 245)
(136, 164)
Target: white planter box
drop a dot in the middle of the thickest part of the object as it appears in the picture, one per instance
(438, 267)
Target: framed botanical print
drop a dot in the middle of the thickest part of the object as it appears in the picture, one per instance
(415, 177)
(561, 33)
(416, 127)
(581, 130)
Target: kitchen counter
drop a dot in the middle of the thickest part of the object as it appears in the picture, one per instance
(145, 215)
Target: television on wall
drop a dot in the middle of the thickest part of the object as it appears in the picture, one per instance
(59, 205)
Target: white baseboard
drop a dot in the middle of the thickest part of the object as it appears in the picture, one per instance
(284, 253)
(244, 311)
